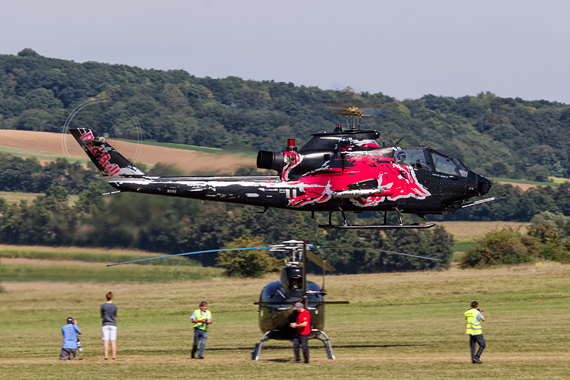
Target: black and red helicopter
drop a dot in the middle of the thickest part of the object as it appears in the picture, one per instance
(277, 298)
(343, 170)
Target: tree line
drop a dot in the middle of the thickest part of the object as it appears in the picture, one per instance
(498, 137)
(27, 175)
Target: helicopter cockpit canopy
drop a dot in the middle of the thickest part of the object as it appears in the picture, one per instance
(448, 165)
(430, 159)
(414, 157)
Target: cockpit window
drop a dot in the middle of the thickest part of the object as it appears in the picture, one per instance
(448, 165)
(412, 157)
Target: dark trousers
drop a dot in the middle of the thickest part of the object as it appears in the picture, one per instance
(67, 354)
(477, 339)
(303, 340)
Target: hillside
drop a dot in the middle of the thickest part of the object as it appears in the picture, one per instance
(498, 137)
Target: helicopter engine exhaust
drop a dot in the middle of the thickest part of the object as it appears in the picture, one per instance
(270, 160)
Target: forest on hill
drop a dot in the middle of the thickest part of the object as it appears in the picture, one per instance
(498, 137)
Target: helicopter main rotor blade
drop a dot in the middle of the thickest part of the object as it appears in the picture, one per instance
(376, 250)
(320, 262)
(194, 253)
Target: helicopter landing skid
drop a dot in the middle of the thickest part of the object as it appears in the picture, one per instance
(380, 226)
(346, 226)
(326, 341)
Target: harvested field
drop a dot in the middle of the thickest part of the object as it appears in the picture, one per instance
(29, 142)
(524, 186)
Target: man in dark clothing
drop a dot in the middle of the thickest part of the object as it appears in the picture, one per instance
(109, 313)
(69, 332)
(303, 326)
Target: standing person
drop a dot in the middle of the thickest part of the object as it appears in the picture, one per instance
(69, 332)
(201, 318)
(474, 317)
(109, 313)
(303, 326)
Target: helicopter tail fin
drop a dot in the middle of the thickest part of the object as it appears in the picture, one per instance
(110, 162)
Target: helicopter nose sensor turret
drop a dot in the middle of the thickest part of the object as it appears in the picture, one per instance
(483, 184)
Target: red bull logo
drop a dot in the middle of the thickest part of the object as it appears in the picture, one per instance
(99, 154)
(88, 136)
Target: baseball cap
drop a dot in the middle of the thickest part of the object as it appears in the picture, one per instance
(69, 320)
(298, 305)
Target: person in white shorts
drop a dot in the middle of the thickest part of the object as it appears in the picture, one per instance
(109, 313)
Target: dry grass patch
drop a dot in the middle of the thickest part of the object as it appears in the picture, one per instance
(470, 231)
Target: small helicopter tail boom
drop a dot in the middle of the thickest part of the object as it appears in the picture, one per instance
(110, 162)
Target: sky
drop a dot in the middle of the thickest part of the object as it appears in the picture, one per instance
(404, 49)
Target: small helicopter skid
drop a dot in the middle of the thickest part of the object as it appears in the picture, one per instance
(347, 226)
(326, 341)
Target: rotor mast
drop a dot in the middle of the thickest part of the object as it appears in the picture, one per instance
(353, 112)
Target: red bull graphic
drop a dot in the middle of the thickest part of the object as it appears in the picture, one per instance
(100, 154)
(335, 177)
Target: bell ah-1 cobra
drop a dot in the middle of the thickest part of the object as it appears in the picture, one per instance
(343, 170)
(277, 298)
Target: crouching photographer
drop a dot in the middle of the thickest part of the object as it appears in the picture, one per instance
(69, 348)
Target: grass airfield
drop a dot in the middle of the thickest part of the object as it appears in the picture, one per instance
(398, 326)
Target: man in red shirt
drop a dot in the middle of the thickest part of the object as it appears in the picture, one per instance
(303, 326)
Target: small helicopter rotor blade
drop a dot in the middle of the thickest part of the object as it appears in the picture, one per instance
(194, 253)
(317, 260)
(376, 250)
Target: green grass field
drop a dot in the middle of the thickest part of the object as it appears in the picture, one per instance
(44, 156)
(90, 255)
(176, 146)
(398, 326)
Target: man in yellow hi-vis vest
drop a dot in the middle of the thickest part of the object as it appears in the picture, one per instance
(474, 317)
(201, 318)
